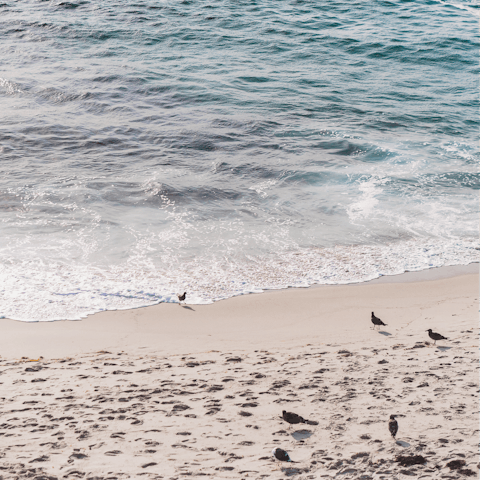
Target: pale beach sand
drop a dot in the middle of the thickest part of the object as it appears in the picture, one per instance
(197, 391)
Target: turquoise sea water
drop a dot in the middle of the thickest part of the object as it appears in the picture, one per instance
(151, 147)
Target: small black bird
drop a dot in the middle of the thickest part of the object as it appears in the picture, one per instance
(435, 336)
(293, 418)
(376, 321)
(393, 426)
(281, 455)
(181, 298)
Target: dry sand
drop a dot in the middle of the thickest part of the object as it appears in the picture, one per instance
(197, 391)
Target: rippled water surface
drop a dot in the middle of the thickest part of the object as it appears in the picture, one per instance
(151, 147)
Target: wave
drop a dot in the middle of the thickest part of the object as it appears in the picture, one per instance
(36, 291)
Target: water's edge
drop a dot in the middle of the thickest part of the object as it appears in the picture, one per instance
(426, 275)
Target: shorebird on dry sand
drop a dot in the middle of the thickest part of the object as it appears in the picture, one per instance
(281, 455)
(293, 419)
(376, 321)
(393, 426)
(181, 298)
(435, 336)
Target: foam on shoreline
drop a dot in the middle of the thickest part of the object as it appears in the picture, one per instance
(292, 316)
(39, 292)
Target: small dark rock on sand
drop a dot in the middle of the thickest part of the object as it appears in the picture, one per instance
(456, 464)
(407, 460)
(467, 472)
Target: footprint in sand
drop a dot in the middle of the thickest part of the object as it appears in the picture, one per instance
(113, 453)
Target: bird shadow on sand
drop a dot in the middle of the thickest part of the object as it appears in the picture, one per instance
(290, 471)
(188, 308)
(384, 333)
(442, 349)
(302, 434)
(402, 443)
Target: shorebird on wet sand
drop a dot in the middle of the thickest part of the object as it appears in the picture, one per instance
(393, 426)
(293, 419)
(281, 455)
(435, 336)
(181, 298)
(376, 321)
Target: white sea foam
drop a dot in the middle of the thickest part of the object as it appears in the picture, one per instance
(370, 188)
(35, 291)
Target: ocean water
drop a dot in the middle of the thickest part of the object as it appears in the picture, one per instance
(153, 147)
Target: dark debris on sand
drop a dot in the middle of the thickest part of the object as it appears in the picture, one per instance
(407, 460)
(458, 466)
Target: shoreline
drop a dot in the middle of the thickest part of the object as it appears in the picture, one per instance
(431, 273)
(171, 391)
(434, 273)
(291, 316)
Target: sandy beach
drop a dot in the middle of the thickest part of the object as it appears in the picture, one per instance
(196, 391)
